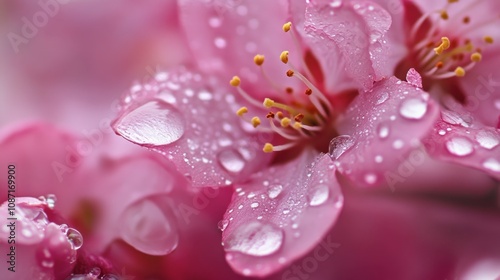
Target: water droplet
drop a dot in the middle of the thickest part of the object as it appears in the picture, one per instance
(459, 146)
(75, 238)
(149, 228)
(255, 239)
(318, 195)
(215, 22)
(413, 108)
(51, 201)
(231, 160)
(339, 145)
(492, 164)
(370, 178)
(487, 139)
(274, 191)
(254, 205)
(205, 95)
(94, 272)
(453, 118)
(398, 144)
(441, 132)
(222, 225)
(220, 42)
(383, 130)
(336, 3)
(382, 98)
(286, 211)
(154, 123)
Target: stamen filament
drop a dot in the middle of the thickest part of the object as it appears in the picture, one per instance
(268, 147)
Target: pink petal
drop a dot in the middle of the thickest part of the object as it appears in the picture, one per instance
(474, 146)
(414, 78)
(280, 215)
(225, 36)
(380, 129)
(193, 125)
(349, 37)
(482, 89)
(47, 248)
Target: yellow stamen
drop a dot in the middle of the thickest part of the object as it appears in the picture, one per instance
(460, 72)
(241, 111)
(280, 115)
(235, 81)
(297, 125)
(255, 121)
(258, 59)
(488, 39)
(445, 44)
(285, 122)
(284, 56)
(287, 26)
(476, 57)
(268, 103)
(268, 148)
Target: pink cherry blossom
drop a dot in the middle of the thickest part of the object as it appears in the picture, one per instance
(188, 116)
(454, 47)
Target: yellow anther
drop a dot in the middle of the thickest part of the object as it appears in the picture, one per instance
(476, 57)
(459, 72)
(488, 39)
(445, 44)
(268, 148)
(444, 15)
(285, 122)
(469, 47)
(258, 59)
(287, 26)
(241, 111)
(280, 115)
(284, 57)
(297, 125)
(235, 81)
(268, 103)
(290, 73)
(255, 121)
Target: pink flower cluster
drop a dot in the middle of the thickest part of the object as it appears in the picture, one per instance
(318, 139)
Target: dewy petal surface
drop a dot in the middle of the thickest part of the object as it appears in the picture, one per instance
(474, 146)
(192, 123)
(281, 214)
(350, 37)
(225, 35)
(390, 119)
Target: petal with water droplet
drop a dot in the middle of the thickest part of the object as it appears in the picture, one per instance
(286, 218)
(202, 136)
(380, 131)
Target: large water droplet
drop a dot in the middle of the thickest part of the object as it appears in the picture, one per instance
(318, 195)
(75, 238)
(487, 139)
(274, 191)
(231, 160)
(255, 239)
(413, 108)
(339, 145)
(155, 123)
(492, 164)
(148, 228)
(459, 146)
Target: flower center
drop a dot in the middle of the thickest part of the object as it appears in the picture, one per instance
(295, 119)
(435, 53)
